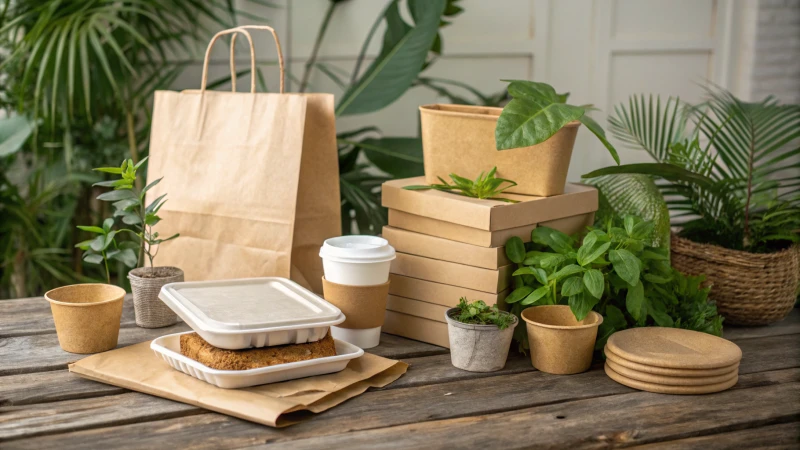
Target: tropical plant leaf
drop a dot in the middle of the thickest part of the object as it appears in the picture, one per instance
(527, 121)
(14, 131)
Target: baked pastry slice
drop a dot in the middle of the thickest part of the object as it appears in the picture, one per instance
(195, 347)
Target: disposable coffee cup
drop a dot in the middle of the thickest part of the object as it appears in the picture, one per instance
(357, 261)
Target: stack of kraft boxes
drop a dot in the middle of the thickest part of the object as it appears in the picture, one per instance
(451, 246)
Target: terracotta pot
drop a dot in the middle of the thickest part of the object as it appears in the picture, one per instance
(86, 316)
(748, 288)
(460, 139)
(559, 343)
(478, 348)
(146, 283)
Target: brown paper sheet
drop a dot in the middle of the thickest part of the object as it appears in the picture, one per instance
(138, 368)
(363, 306)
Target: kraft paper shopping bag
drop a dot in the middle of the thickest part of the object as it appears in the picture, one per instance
(251, 178)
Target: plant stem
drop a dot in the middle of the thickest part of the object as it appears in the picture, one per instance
(108, 273)
(132, 146)
(320, 34)
(746, 237)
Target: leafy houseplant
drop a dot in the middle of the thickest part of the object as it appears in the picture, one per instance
(536, 112)
(614, 272)
(480, 335)
(486, 186)
(736, 196)
(130, 207)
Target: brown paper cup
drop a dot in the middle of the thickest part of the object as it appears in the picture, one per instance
(559, 343)
(460, 139)
(86, 316)
(363, 306)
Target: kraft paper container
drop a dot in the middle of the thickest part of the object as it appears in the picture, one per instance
(438, 293)
(559, 343)
(362, 305)
(488, 215)
(477, 238)
(485, 280)
(86, 316)
(416, 308)
(417, 328)
(460, 139)
(447, 250)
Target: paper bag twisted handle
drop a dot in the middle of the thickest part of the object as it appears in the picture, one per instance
(235, 31)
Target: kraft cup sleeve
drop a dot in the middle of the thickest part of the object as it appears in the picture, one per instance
(363, 306)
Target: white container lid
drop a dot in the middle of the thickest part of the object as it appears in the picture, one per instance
(247, 304)
(357, 249)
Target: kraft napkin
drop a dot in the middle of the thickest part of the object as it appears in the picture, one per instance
(138, 368)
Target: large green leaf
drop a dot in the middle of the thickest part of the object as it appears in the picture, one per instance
(400, 157)
(14, 131)
(527, 121)
(404, 52)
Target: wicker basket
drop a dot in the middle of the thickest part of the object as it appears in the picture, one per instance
(749, 288)
(146, 283)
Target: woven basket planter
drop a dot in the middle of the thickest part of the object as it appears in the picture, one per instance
(748, 288)
(146, 283)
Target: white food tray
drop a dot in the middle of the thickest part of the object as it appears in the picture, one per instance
(252, 312)
(169, 349)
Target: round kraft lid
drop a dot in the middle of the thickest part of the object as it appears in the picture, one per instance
(655, 370)
(674, 348)
(666, 389)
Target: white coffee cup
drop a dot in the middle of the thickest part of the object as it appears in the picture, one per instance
(357, 261)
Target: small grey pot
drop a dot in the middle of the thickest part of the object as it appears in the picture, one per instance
(478, 348)
(146, 283)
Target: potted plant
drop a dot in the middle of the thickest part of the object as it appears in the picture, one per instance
(735, 197)
(480, 336)
(86, 316)
(616, 271)
(131, 208)
(537, 124)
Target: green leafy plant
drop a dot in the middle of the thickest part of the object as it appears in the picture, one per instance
(477, 312)
(536, 112)
(129, 204)
(739, 188)
(486, 186)
(613, 271)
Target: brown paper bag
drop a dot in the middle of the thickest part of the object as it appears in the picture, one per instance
(139, 369)
(251, 179)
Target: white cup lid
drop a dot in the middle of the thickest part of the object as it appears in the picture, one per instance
(357, 249)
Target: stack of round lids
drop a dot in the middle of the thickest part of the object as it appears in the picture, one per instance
(672, 360)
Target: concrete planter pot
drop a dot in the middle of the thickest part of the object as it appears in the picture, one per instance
(146, 283)
(478, 348)
(86, 316)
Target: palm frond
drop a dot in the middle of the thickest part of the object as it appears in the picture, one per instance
(648, 125)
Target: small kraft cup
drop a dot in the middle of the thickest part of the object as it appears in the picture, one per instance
(559, 343)
(86, 316)
(357, 281)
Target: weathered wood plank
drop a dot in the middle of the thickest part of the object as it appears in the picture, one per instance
(29, 316)
(759, 355)
(783, 436)
(375, 409)
(789, 325)
(603, 422)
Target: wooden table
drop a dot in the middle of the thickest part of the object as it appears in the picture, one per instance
(433, 405)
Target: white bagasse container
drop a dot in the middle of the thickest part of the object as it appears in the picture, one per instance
(168, 348)
(252, 312)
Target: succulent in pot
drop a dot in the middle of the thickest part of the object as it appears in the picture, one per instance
(131, 209)
(480, 336)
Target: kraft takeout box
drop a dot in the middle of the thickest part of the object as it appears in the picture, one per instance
(416, 308)
(485, 280)
(489, 215)
(417, 328)
(138, 368)
(438, 293)
(447, 250)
